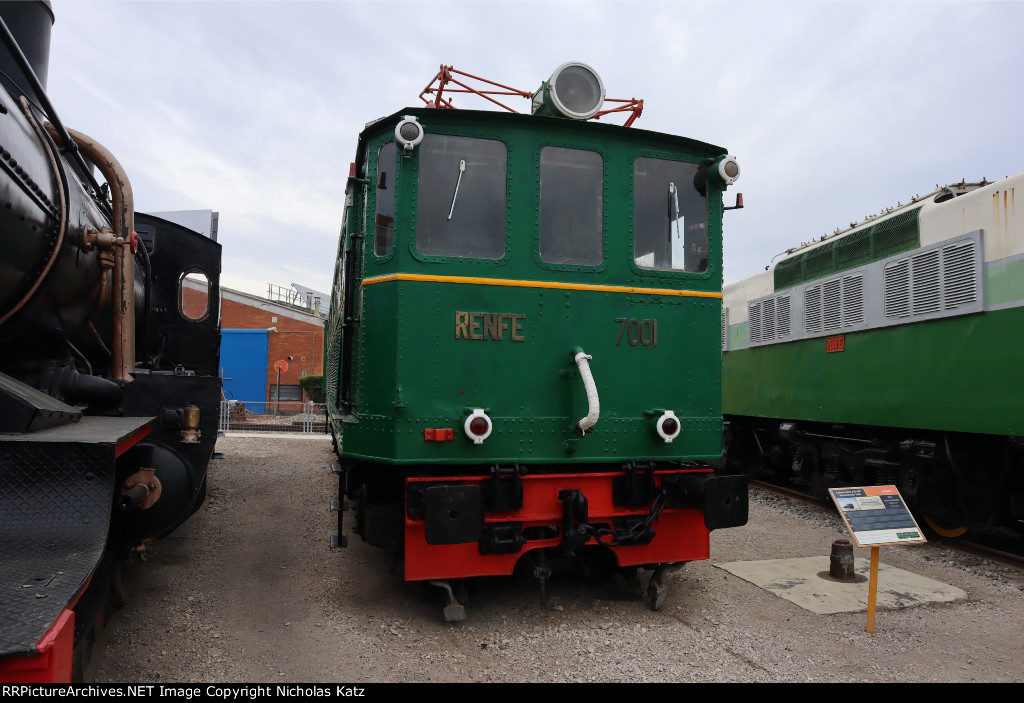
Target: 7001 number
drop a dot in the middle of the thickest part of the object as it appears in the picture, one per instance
(636, 332)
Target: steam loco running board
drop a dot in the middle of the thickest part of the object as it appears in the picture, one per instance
(56, 492)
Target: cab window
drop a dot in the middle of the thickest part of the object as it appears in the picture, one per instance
(461, 197)
(384, 218)
(571, 206)
(670, 216)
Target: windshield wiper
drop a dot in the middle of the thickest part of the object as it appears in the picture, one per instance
(462, 170)
(673, 200)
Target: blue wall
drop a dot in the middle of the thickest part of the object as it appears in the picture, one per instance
(243, 358)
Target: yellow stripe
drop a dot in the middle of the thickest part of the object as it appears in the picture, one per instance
(511, 283)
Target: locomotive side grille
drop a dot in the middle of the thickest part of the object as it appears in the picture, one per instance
(821, 260)
(812, 309)
(833, 306)
(926, 282)
(896, 235)
(943, 279)
(890, 237)
(897, 289)
(754, 314)
(853, 300)
(958, 264)
(855, 249)
(782, 313)
(768, 320)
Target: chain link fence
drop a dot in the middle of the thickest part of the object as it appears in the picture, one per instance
(275, 416)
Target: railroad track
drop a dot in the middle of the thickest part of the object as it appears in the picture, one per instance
(998, 553)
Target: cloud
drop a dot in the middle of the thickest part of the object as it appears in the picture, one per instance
(253, 109)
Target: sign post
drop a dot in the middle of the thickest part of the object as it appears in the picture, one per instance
(282, 367)
(876, 516)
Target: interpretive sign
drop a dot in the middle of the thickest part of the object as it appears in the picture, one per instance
(876, 516)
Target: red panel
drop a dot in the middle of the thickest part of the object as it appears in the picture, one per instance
(680, 534)
(132, 439)
(53, 662)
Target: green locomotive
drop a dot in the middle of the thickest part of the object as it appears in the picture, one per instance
(523, 355)
(888, 353)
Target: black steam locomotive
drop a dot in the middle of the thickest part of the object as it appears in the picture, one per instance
(109, 346)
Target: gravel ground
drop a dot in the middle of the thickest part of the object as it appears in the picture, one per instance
(248, 591)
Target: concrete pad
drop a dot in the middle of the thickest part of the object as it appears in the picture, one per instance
(797, 581)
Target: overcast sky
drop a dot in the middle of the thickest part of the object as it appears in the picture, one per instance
(835, 110)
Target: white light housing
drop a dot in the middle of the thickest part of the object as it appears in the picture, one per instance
(409, 132)
(729, 170)
(673, 424)
(473, 422)
(576, 90)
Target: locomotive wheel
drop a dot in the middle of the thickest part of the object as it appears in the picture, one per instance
(948, 532)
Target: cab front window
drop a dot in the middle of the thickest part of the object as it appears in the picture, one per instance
(461, 197)
(571, 206)
(670, 215)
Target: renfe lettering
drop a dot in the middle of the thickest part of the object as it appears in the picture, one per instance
(485, 326)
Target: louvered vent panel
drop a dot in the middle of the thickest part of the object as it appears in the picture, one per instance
(926, 282)
(724, 328)
(897, 289)
(768, 320)
(958, 266)
(812, 310)
(754, 316)
(853, 300)
(833, 304)
(782, 313)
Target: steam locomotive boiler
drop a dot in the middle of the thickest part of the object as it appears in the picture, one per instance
(109, 346)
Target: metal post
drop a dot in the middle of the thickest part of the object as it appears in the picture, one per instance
(277, 392)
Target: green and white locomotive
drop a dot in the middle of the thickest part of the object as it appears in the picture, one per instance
(889, 353)
(522, 359)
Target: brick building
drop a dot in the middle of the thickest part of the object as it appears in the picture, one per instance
(257, 333)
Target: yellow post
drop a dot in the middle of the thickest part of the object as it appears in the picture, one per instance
(872, 590)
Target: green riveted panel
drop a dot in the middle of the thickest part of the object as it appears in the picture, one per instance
(439, 336)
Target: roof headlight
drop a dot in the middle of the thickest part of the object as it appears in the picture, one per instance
(574, 91)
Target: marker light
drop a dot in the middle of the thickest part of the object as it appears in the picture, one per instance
(668, 426)
(409, 132)
(478, 426)
(729, 170)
